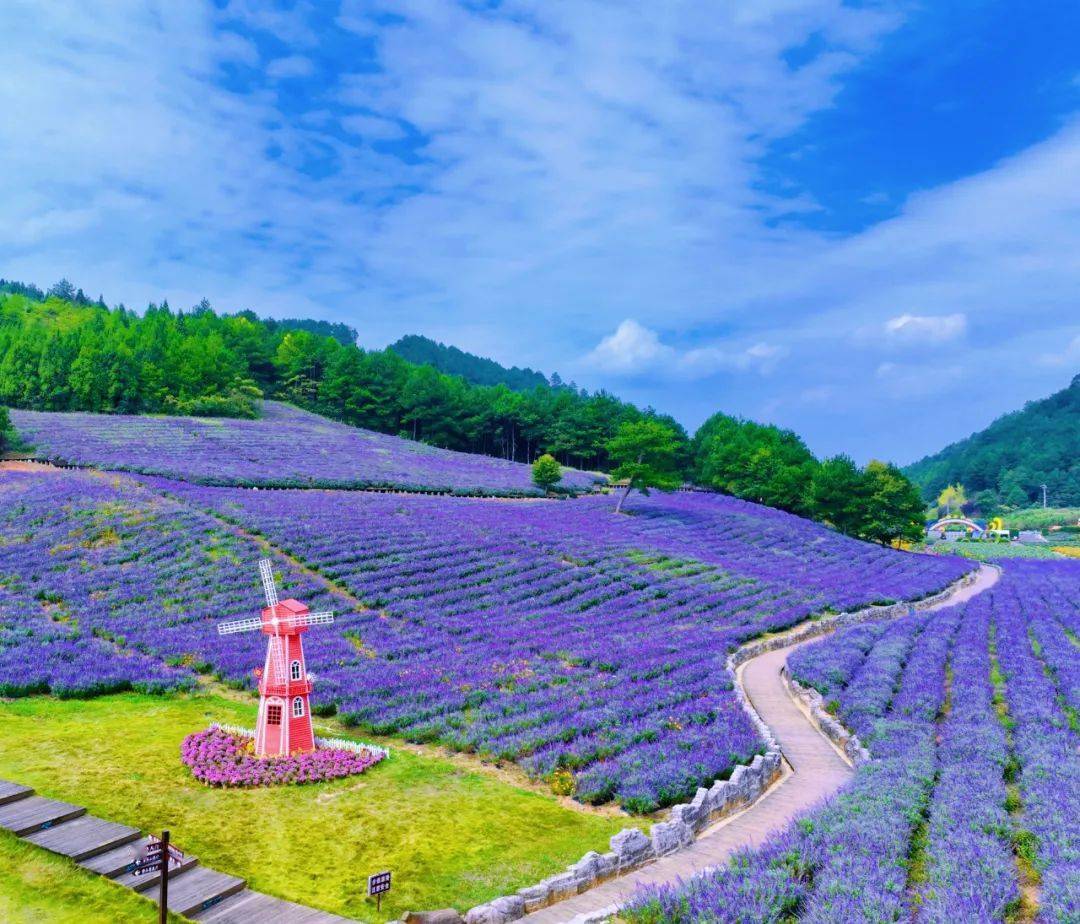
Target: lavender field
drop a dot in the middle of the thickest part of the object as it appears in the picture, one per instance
(969, 809)
(553, 634)
(285, 447)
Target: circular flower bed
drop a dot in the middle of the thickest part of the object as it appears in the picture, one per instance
(225, 758)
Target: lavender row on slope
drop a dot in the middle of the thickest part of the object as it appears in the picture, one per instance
(829, 667)
(105, 583)
(864, 871)
(285, 447)
(970, 870)
(1046, 746)
(44, 650)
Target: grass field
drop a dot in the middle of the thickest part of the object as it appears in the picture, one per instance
(37, 886)
(989, 551)
(1042, 517)
(451, 836)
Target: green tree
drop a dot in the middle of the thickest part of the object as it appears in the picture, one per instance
(837, 494)
(546, 472)
(644, 454)
(987, 503)
(951, 500)
(5, 429)
(893, 509)
(1012, 490)
(758, 462)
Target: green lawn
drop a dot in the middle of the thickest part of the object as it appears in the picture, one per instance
(451, 836)
(989, 551)
(37, 886)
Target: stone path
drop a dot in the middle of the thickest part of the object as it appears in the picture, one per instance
(817, 770)
(109, 849)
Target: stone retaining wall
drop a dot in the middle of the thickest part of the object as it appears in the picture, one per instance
(827, 724)
(631, 848)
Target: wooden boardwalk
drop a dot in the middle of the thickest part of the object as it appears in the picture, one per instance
(816, 770)
(110, 849)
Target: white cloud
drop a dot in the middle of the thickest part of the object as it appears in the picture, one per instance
(372, 128)
(289, 67)
(909, 381)
(1068, 356)
(924, 329)
(635, 349)
(710, 360)
(631, 348)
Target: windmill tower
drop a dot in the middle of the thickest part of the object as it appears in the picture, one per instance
(284, 724)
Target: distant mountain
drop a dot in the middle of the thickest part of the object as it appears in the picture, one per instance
(1014, 456)
(474, 369)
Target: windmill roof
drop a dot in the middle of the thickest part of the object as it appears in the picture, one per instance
(289, 607)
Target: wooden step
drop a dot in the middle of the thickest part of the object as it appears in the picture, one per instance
(36, 813)
(200, 888)
(147, 880)
(12, 792)
(83, 837)
(248, 907)
(116, 862)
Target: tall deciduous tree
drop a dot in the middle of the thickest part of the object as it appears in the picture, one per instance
(837, 494)
(754, 461)
(644, 454)
(893, 506)
(952, 499)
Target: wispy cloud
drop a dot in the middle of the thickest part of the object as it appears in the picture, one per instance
(523, 178)
(926, 329)
(291, 66)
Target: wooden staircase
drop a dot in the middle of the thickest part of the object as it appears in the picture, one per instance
(111, 849)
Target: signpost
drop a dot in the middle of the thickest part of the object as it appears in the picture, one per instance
(156, 858)
(377, 883)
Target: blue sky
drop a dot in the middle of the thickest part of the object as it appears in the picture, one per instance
(861, 221)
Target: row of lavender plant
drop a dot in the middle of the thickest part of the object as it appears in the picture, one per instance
(970, 870)
(104, 583)
(846, 861)
(1046, 745)
(43, 650)
(286, 447)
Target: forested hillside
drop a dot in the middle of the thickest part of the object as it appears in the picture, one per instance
(60, 351)
(476, 370)
(1007, 463)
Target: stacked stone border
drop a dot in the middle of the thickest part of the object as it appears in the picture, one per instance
(848, 743)
(631, 848)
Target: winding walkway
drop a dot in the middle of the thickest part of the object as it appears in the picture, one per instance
(815, 770)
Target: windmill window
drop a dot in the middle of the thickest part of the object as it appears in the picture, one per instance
(273, 715)
(297, 707)
(294, 670)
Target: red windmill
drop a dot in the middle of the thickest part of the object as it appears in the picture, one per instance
(284, 725)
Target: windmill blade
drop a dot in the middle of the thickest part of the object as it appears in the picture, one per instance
(240, 625)
(266, 572)
(312, 619)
